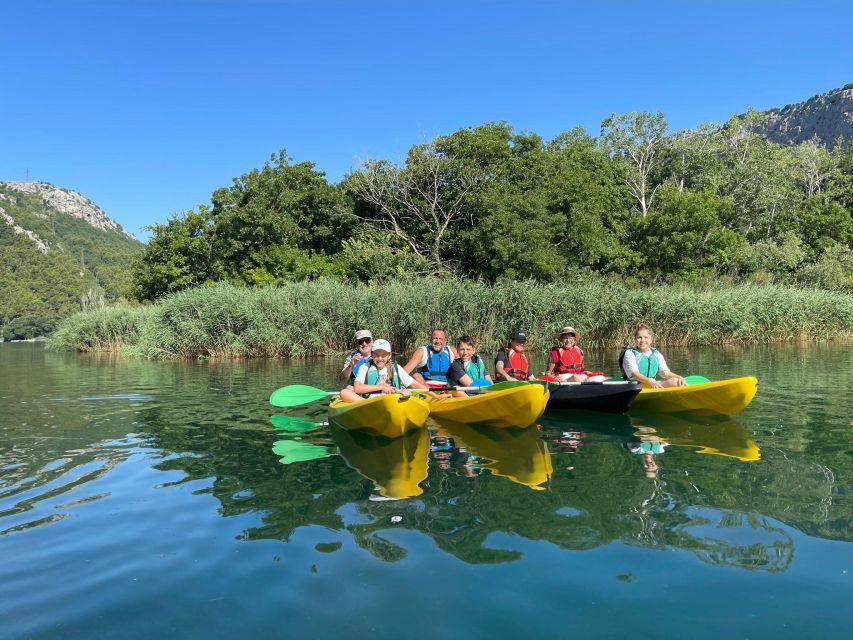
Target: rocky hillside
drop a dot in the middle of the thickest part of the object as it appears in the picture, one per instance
(826, 117)
(58, 251)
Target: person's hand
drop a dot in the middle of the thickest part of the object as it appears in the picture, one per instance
(657, 384)
(680, 382)
(387, 388)
(356, 358)
(405, 392)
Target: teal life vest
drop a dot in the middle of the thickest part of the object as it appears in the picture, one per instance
(476, 368)
(373, 375)
(647, 364)
(437, 364)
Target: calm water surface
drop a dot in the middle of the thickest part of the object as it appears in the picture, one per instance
(139, 499)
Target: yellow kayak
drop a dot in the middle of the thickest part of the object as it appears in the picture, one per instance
(518, 454)
(389, 415)
(515, 407)
(396, 466)
(723, 397)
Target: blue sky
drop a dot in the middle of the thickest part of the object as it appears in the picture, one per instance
(146, 107)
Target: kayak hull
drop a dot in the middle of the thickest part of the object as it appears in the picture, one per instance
(594, 396)
(515, 407)
(723, 397)
(389, 415)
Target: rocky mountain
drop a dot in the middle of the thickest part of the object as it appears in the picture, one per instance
(826, 117)
(59, 251)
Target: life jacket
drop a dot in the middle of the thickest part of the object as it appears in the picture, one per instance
(437, 364)
(518, 366)
(476, 368)
(358, 365)
(647, 364)
(373, 375)
(567, 360)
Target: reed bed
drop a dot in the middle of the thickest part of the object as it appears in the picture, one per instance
(319, 318)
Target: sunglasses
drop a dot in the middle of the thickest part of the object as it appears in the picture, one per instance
(365, 341)
(568, 334)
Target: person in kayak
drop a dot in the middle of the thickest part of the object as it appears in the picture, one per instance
(357, 358)
(566, 361)
(380, 374)
(643, 363)
(468, 367)
(431, 362)
(511, 362)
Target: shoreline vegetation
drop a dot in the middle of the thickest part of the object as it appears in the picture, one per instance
(307, 319)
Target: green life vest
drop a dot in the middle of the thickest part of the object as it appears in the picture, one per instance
(475, 368)
(647, 364)
(373, 374)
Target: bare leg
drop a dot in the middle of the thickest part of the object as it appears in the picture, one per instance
(348, 395)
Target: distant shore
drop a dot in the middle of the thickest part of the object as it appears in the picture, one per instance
(319, 318)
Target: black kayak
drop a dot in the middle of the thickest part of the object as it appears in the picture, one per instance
(608, 397)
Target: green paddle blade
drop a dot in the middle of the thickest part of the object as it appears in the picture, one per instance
(294, 424)
(506, 384)
(695, 380)
(294, 451)
(296, 394)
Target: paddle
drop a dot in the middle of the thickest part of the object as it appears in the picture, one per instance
(295, 394)
(696, 380)
(294, 424)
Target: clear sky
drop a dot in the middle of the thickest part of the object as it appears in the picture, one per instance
(146, 107)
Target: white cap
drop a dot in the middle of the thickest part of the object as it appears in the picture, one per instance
(381, 345)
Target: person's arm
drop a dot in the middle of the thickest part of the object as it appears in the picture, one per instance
(551, 364)
(670, 376)
(349, 365)
(631, 368)
(500, 371)
(416, 359)
(361, 387)
(407, 381)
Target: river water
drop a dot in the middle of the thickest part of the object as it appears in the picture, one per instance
(139, 499)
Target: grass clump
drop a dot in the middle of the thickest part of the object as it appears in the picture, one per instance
(318, 318)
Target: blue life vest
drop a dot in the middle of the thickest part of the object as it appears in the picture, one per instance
(437, 364)
(357, 366)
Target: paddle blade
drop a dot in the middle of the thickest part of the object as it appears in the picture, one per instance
(695, 380)
(481, 382)
(296, 394)
(294, 424)
(508, 384)
(293, 451)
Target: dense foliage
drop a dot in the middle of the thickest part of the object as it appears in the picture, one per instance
(316, 318)
(491, 203)
(84, 267)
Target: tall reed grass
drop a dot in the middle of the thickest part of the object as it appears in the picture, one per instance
(318, 318)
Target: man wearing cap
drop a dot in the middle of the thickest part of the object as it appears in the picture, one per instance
(357, 359)
(511, 363)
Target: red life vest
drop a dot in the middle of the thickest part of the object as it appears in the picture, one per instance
(518, 367)
(567, 360)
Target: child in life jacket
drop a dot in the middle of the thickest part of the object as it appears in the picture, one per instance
(511, 362)
(566, 361)
(381, 374)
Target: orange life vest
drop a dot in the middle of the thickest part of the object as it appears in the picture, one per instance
(567, 360)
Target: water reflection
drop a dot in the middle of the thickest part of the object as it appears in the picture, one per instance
(396, 466)
(518, 454)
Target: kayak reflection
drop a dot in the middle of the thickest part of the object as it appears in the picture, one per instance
(396, 466)
(721, 437)
(518, 454)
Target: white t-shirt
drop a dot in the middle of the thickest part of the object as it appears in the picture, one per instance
(405, 379)
(630, 362)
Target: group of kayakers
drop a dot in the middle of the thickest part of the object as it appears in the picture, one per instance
(371, 369)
